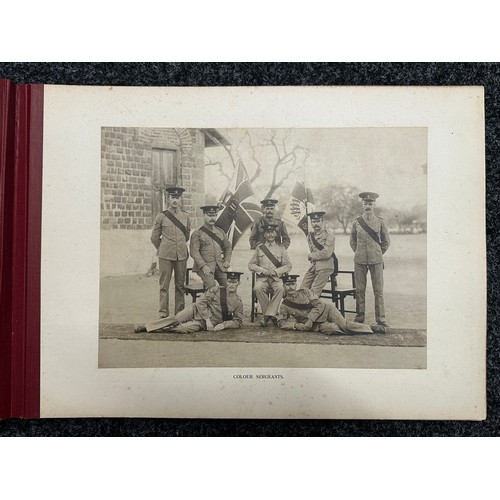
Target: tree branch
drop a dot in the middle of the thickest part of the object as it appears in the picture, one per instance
(258, 170)
(217, 164)
(228, 150)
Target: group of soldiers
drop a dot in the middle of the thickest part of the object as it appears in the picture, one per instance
(281, 302)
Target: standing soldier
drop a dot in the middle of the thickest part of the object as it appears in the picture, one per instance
(219, 308)
(321, 243)
(270, 261)
(170, 235)
(257, 233)
(210, 249)
(369, 241)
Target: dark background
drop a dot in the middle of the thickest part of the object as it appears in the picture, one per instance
(226, 74)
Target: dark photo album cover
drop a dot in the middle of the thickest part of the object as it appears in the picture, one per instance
(243, 252)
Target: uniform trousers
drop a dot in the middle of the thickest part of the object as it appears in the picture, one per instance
(189, 320)
(262, 288)
(377, 277)
(316, 280)
(209, 281)
(334, 323)
(179, 269)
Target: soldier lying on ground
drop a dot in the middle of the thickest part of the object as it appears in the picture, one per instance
(302, 310)
(219, 308)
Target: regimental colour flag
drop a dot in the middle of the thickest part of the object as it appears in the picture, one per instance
(300, 204)
(240, 209)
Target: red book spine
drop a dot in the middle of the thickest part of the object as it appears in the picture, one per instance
(21, 133)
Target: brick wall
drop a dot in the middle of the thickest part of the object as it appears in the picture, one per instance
(126, 173)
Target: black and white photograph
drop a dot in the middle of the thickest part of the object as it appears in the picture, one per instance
(263, 252)
(263, 247)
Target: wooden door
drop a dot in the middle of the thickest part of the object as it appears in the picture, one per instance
(164, 175)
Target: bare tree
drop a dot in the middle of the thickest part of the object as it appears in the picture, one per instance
(287, 161)
(264, 153)
(341, 203)
(220, 167)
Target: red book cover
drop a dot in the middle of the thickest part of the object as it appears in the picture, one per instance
(21, 133)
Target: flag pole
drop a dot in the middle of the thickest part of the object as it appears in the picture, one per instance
(305, 190)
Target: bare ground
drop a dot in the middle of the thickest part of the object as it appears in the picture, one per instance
(134, 299)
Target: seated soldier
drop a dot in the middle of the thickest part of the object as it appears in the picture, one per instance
(219, 308)
(270, 261)
(303, 310)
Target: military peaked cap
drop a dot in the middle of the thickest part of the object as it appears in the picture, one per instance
(268, 202)
(210, 209)
(368, 196)
(316, 215)
(290, 278)
(175, 191)
(233, 275)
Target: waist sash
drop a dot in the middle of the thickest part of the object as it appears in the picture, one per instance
(320, 247)
(170, 216)
(270, 256)
(369, 230)
(226, 315)
(213, 236)
(294, 305)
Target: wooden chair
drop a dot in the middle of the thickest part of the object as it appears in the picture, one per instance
(254, 311)
(338, 294)
(194, 288)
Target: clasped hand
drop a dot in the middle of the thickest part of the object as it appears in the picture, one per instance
(206, 270)
(270, 272)
(307, 326)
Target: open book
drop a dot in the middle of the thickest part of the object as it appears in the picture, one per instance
(277, 252)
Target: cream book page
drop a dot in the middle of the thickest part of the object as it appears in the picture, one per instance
(370, 199)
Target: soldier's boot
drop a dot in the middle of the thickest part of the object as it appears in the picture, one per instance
(376, 328)
(360, 318)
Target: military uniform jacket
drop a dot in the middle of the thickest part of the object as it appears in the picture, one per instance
(322, 259)
(257, 233)
(208, 307)
(366, 249)
(168, 239)
(260, 262)
(206, 251)
(317, 311)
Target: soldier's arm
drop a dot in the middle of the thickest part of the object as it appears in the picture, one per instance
(286, 265)
(237, 320)
(354, 237)
(285, 238)
(284, 321)
(328, 248)
(194, 249)
(385, 240)
(253, 265)
(156, 233)
(318, 306)
(254, 236)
